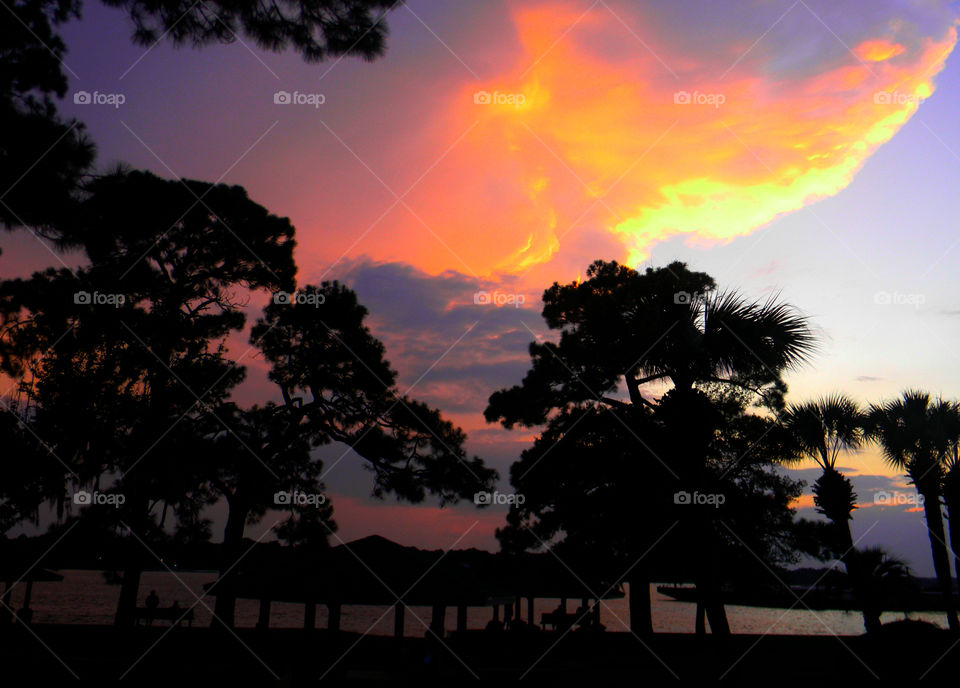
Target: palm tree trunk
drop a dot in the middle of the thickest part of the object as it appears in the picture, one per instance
(951, 495)
(858, 579)
(941, 562)
(836, 499)
(954, 509)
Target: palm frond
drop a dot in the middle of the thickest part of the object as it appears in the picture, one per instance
(825, 427)
(761, 339)
(906, 431)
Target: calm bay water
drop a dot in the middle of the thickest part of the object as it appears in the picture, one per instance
(84, 597)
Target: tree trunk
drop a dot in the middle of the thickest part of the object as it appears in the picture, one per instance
(437, 620)
(692, 446)
(263, 618)
(398, 610)
(709, 595)
(129, 589)
(954, 536)
(835, 498)
(333, 616)
(858, 576)
(871, 616)
(708, 589)
(951, 495)
(641, 617)
(130, 585)
(225, 607)
(941, 562)
(6, 604)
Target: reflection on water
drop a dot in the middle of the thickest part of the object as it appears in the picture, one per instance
(85, 598)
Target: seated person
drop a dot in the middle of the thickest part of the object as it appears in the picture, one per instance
(494, 626)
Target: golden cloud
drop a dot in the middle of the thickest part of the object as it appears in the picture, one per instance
(647, 144)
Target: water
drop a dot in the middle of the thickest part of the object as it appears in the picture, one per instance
(84, 597)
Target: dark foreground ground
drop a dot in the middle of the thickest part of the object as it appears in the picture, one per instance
(203, 656)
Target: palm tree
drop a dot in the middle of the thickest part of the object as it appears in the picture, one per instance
(908, 431)
(722, 339)
(947, 415)
(821, 430)
(880, 579)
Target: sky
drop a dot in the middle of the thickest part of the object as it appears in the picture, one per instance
(807, 149)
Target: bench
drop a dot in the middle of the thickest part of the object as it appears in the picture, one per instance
(558, 621)
(176, 615)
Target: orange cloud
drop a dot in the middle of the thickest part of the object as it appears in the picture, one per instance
(592, 133)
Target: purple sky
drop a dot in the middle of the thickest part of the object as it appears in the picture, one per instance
(801, 181)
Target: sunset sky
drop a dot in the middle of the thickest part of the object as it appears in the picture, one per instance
(808, 148)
